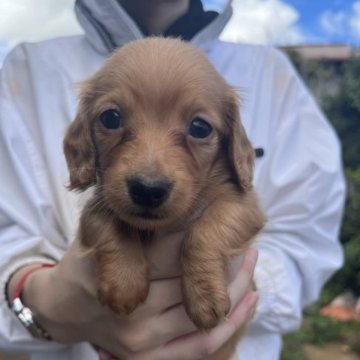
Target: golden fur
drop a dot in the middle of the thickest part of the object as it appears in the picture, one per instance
(159, 86)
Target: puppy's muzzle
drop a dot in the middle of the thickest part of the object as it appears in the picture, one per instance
(147, 193)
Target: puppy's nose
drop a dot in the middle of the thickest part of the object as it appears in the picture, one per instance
(148, 193)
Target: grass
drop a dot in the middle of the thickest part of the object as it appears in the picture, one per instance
(319, 330)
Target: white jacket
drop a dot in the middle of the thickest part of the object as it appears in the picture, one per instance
(299, 179)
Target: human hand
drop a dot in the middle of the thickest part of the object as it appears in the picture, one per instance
(65, 301)
(195, 344)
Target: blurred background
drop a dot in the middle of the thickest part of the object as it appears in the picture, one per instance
(322, 39)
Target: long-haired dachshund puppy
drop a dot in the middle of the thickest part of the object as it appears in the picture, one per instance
(159, 136)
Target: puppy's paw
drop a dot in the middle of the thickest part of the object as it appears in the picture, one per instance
(125, 292)
(205, 306)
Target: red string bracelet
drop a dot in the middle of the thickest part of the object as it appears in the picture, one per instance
(21, 283)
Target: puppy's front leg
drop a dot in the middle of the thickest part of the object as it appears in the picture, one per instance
(223, 230)
(204, 281)
(123, 277)
(123, 281)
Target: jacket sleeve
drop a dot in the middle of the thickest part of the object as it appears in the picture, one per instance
(302, 189)
(28, 231)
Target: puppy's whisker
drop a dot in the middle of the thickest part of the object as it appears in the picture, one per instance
(171, 124)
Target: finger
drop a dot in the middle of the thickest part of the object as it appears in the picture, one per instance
(242, 282)
(163, 327)
(161, 318)
(241, 315)
(163, 295)
(246, 262)
(199, 344)
(171, 324)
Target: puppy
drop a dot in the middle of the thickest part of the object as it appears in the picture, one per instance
(158, 135)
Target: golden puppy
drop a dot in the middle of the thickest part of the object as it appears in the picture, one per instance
(159, 136)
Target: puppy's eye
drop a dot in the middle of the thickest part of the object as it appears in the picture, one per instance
(111, 119)
(199, 128)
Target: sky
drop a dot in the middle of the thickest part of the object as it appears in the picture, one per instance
(278, 22)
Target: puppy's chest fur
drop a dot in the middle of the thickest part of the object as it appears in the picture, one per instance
(217, 210)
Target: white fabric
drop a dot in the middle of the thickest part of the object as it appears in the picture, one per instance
(299, 179)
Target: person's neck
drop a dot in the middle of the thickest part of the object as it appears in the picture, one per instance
(156, 15)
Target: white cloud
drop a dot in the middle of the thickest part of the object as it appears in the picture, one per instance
(355, 20)
(333, 23)
(33, 20)
(263, 21)
(258, 21)
(342, 23)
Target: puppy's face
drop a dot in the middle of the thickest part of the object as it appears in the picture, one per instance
(156, 126)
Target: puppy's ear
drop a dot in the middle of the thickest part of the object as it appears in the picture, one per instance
(240, 151)
(79, 151)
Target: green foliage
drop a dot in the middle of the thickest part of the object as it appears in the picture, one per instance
(349, 276)
(352, 84)
(351, 224)
(343, 110)
(319, 330)
(292, 348)
(342, 107)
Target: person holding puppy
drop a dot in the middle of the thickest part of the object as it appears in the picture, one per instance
(299, 183)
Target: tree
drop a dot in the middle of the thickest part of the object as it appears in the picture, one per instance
(343, 110)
